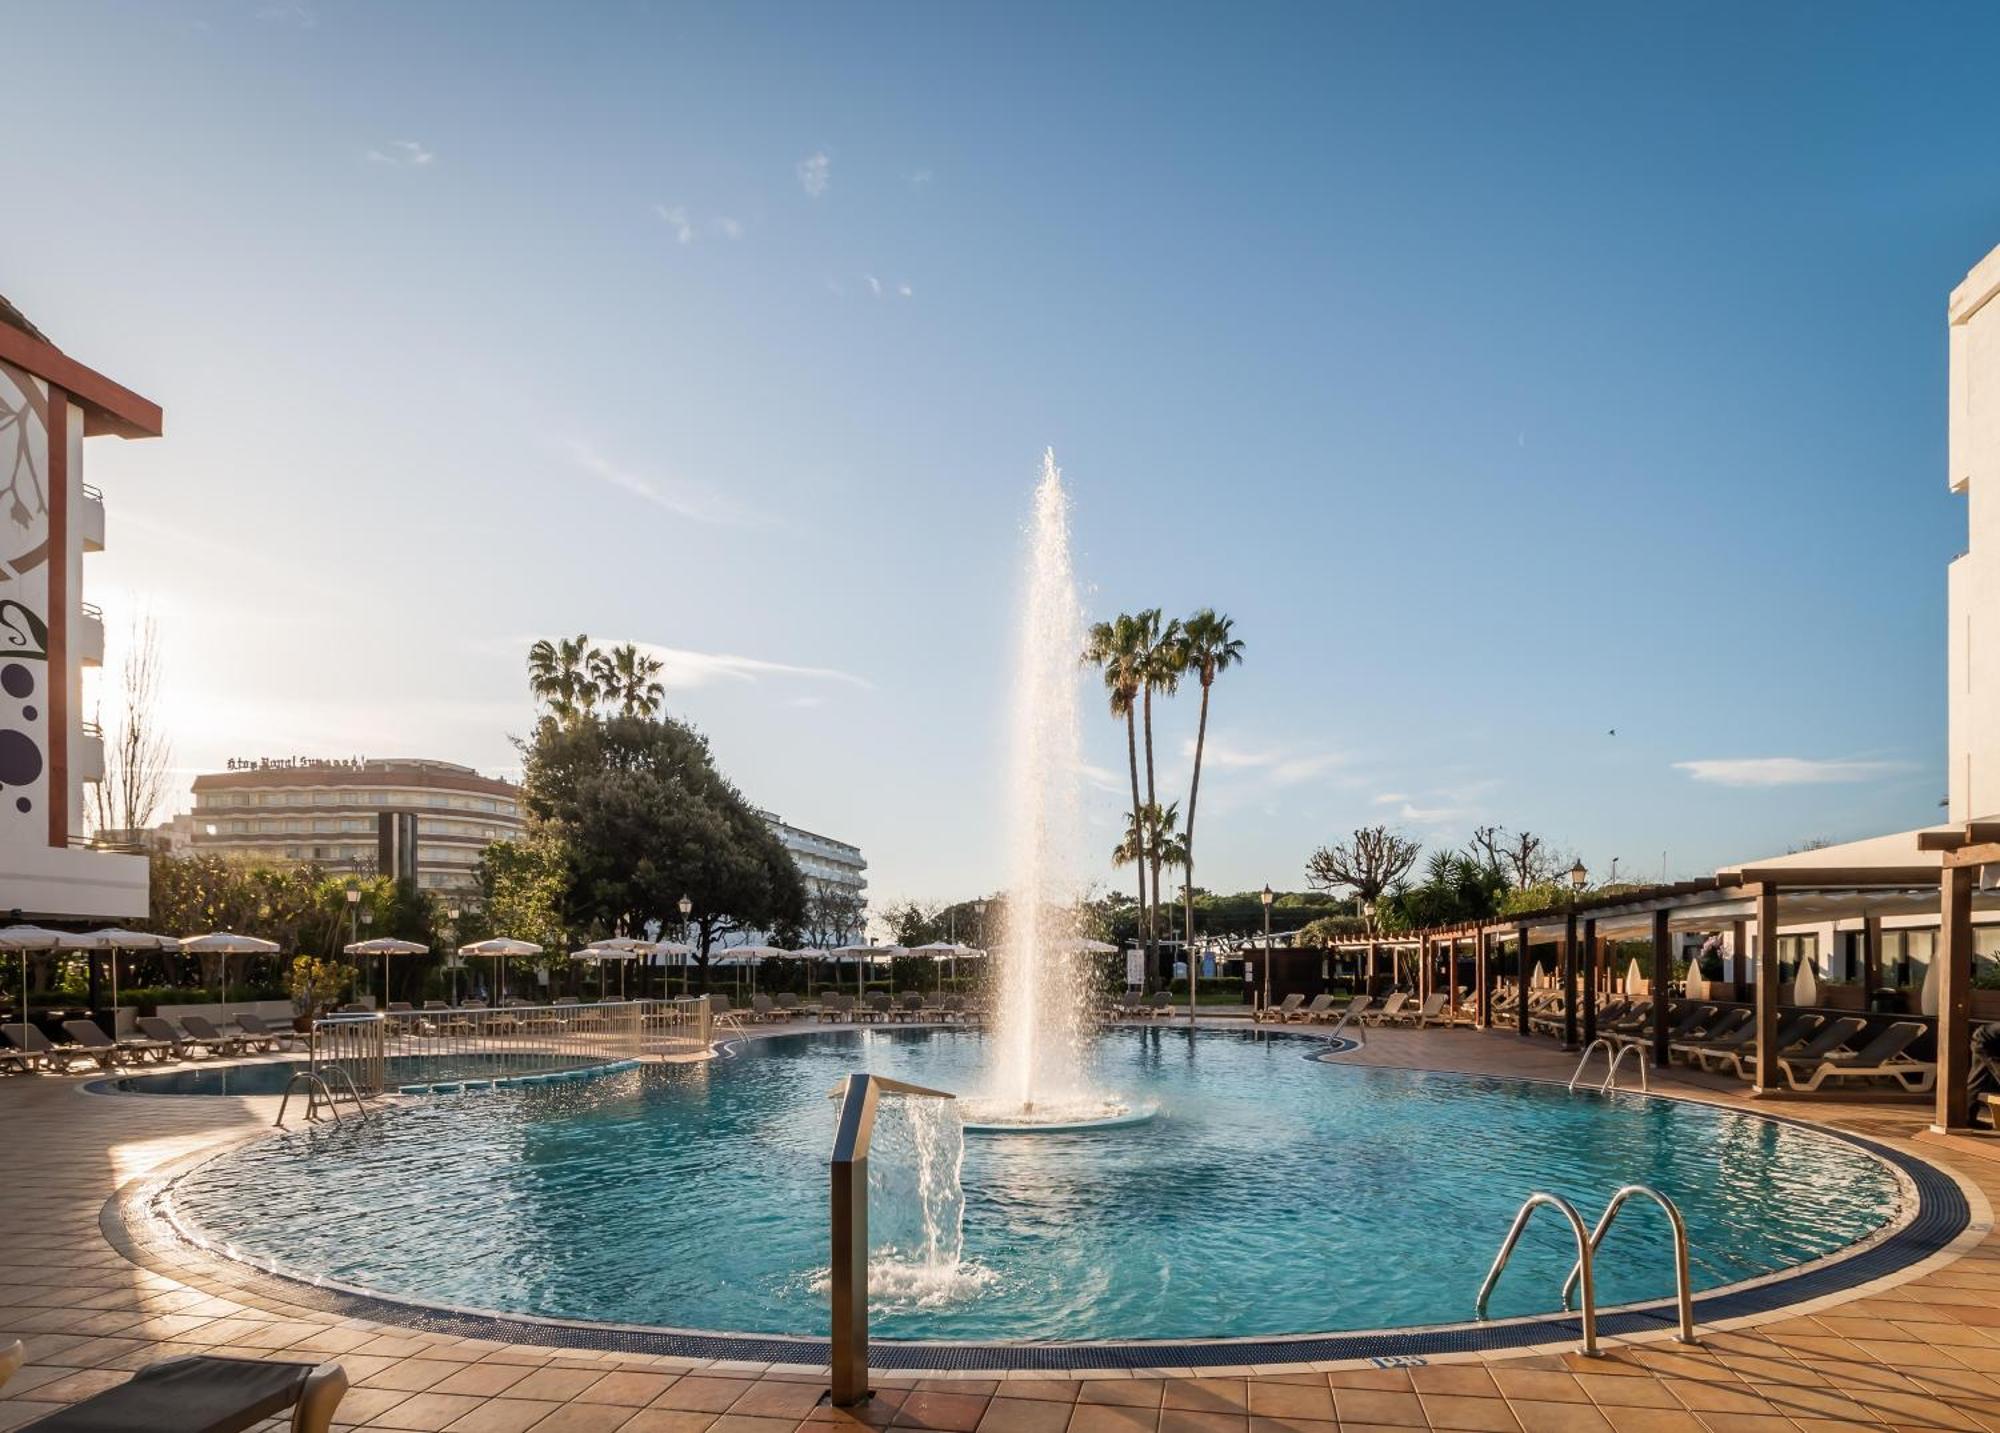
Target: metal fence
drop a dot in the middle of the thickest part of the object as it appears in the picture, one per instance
(387, 1051)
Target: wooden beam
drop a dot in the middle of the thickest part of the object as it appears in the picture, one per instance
(1739, 959)
(1767, 991)
(1954, 1028)
(1569, 982)
(1663, 971)
(1482, 995)
(1841, 877)
(1591, 954)
(1521, 982)
(1871, 960)
(1982, 853)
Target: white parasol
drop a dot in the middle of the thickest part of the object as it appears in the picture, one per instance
(226, 943)
(499, 948)
(385, 946)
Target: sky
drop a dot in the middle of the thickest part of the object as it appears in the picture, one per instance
(1553, 394)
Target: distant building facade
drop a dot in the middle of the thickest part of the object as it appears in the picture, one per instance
(1973, 581)
(828, 865)
(397, 816)
(49, 518)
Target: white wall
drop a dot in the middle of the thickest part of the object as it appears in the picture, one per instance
(1973, 581)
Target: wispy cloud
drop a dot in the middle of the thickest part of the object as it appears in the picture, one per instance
(676, 219)
(289, 12)
(815, 173)
(403, 154)
(874, 284)
(726, 227)
(920, 177)
(1277, 765)
(691, 500)
(1392, 798)
(1787, 771)
(682, 670)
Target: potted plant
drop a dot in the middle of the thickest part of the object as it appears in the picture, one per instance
(316, 985)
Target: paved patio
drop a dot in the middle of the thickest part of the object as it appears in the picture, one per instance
(1922, 1353)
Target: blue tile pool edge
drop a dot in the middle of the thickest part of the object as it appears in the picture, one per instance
(140, 1223)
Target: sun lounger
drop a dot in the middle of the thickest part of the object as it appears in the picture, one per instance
(1387, 1010)
(109, 1052)
(203, 1033)
(1881, 1056)
(155, 1027)
(1359, 1006)
(1431, 1012)
(13, 1062)
(11, 1359)
(880, 1008)
(207, 1394)
(1321, 1004)
(1725, 1027)
(1732, 1049)
(42, 1052)
(259, 1036)
(1282, 1011)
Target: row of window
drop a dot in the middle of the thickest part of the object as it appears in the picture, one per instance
(318, 825)
(342, 796)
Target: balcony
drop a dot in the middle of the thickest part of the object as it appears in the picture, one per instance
(92, 519)
(90, 636)
(89, 753)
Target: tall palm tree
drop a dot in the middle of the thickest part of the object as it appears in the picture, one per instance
(1162, 660)
(627, 677)
(1210, 647)
(1115, 647)
(563, 674)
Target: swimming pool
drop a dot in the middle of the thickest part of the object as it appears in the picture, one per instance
(269, 1077)
(1272, 1195)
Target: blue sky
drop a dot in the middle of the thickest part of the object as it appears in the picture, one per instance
(1510, 374)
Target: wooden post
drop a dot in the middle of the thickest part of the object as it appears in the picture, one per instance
(1423, 968)
(1482, 969)
(1871, 961)
(1739, 948)
(1451, 977)
(1591, 954)
(1954, 1027)
(1569, 981)
(1521, 967)
(1767, 991)
(1663, 972)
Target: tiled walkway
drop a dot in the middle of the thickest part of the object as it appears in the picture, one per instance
(1922, 1354)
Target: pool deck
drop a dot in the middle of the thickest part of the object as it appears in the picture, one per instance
(1917, 1351)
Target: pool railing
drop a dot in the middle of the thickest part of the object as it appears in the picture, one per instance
(475, 1045)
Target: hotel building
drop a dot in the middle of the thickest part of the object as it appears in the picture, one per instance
(357, 815)
(49, 519)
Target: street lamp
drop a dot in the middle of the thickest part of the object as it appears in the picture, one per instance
(1267, 897)
(353, 908)
(686, 908)
(1578, 877)
(451, 955)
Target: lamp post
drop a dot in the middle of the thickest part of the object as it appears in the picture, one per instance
(353, 915)
(1267, 898)
(1578, 878)
(686, 908)
(451, 944)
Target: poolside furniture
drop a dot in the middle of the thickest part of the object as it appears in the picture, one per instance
(156, 1027)
(13, 1062)
(208, 1394)
(42, 1052)
(1387, 1010)
(878, 1006)
(257, 1027)
(1881, 1056)
(255, 1034)
(789, 1006)
(1722, 1045)
(1321, 1004)
(109, 1052)
(763, 1008)
(838, 1006)
(11, 1359)
(1281, 1012)
(1414, 1016)
(203, 1033)
(1793, 1037)
(1725, 1027)
(1359, 1006)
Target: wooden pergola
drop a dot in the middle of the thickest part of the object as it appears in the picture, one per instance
(1940, 873)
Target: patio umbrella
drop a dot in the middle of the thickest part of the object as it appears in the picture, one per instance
(225, 944)
(620, 948)
(751, 956)
(866, 955)
(115, 939)
(385, 946)
(942, 951)
(658, 952)
(21, 939)
(500, 947)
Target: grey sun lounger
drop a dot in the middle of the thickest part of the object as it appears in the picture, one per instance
(1387, 1010)
(203, 1033)
(259, 1036)
(207, 1394)
(1881, 1056)
(1282, 1011)
(1726, 1025)
(90, 1035)
(41, 1051)
(1815, 1045)
(1731, 1050)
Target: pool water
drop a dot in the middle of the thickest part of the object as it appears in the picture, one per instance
(1272, 1194)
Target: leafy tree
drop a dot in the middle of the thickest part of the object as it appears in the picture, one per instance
(562, 674)
(522, 889)
(1162, 663)
(1370, 863)
(911, 923)
(1456, 887)
(832, 918)
(626, 677)
(1326, 930)
(642, 817)
(1209, 647)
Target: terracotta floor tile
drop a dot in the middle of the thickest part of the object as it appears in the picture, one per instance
(699, 1393)
(667, 1420)
(1289, 1425)
(1456, 1411)
(500, 1415)
(1470, 1380)
(1629, 1419)
(427, 1412)
(1542, 1417)
(751, 1423)
(1112, 1418)
(487, 1380)
(560, 1384)
(1291, 1400)
(1190, 1420)
(1054, 1390)
(1207, 1395)
(1025, 1415)
(765, 1399)
(945, 1412)
(1539, 1385)
(1374, 1405)
(1393, 1380)
(1127, 1392)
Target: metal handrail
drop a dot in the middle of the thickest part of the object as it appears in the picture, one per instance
(318, 1091)
(858, 1094)
(1683, 1294)
(1340, 1025)
(1583, 1260)
(1614, 1055)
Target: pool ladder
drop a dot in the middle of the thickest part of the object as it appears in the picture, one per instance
(1614, 1056)
(1587, 1243)
(319, 1093)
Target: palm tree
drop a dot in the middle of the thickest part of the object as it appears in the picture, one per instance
(626, 676)
(1162, 660)
(563, 673)
(1116, 647)
(1210, 647)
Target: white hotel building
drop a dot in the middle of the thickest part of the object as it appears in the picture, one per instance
(827, 865)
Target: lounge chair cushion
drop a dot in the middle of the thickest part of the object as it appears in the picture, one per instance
(198, 1394)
